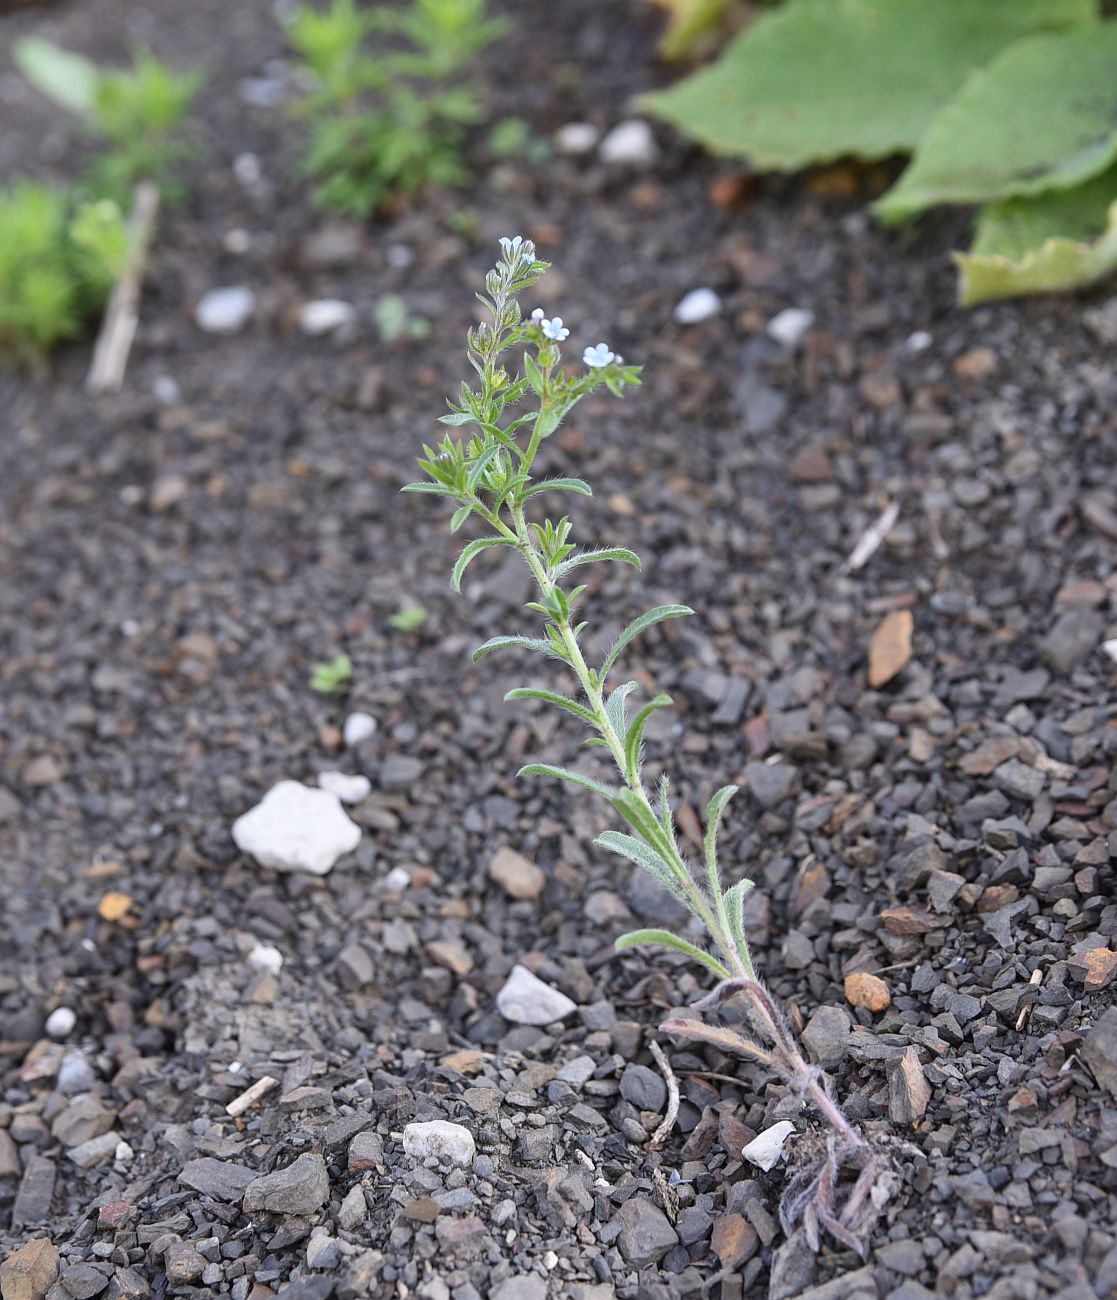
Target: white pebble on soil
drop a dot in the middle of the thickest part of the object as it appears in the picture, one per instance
(439, 1138)
(576, 138)
(358, 727)
(325, 315)
(225, 311)
(60, 1023)
(629, 144)
(266, 957)
(349, 789)
(526, 1000)
(696, 306)
(767, 1147)
(789, 327)
(296, 828)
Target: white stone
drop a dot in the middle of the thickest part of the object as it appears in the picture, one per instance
(440, 1138)
(526, 1000)
(920, 341)
(576, 138)
(225, 311)
(698, 305)
(296, 828)
(1110, 648)
(397, 879)
(358, 727)
(349, 789)
(60, 1023)
(629, 144)
(123, 1155)
(266, 957)
(767, 1147)
(324, 315)
(789, 326)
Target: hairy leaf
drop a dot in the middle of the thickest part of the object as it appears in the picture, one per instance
(565, 774)
(1059, 240)
(469, 553)
(639, 853)
(537, 644)
(619, 553)
(614, 706)
(735, 911)
(819, 79)
(552, 697)
(1042, 116)
(460, 516)
(714, 810)
(577, 485)
(635, 738)
(729, 1040)
(638, 625)
(665, 939)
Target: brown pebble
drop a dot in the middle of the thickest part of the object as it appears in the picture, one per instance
(909, 1093)
(865, 990)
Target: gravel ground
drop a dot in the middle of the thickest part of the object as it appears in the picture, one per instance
(174, 559)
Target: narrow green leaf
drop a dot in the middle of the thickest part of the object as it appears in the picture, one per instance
(635, 737)
(534, 643)
(735, 911)
(666, 820)
(460, 516)
(552, 697)
(614, 707)
(435, 489)
(638, 625)
(665, 939)
(641, 855)
(714, 809)
(458, 418)
(481, 463)
(533, 373)
(469, 553)
(620, 554)
(565, 774)
(580, 486)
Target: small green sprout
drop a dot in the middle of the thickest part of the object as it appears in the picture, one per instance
(409, 619)
(391, 98)
(486, 467)
(333, 678)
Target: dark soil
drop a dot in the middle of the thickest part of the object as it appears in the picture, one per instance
(173, 561)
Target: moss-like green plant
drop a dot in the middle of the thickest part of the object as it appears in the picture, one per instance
(488, 472)
(58, 260)
(388, 117)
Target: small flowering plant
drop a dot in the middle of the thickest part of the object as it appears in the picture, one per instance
(489, 475)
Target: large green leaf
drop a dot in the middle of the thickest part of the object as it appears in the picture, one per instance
(818, 79)
(1059, 240)
(1042, 116)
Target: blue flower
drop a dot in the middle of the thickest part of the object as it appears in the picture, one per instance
(537, 316)
(598, 357)
(555, 330)
(517, 249)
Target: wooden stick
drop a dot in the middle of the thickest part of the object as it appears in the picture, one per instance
(122, 315)
(661, 1134)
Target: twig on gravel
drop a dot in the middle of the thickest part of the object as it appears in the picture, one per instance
(122, 317)
(871, 539)
(661, 1134)
(251, 1095)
